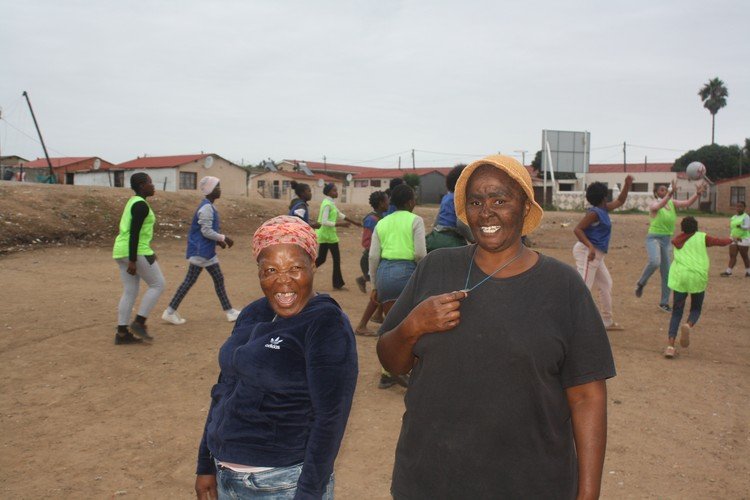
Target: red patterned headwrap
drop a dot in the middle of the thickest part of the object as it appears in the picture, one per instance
(285, 229)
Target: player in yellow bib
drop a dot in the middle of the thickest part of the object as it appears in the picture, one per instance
(740, 233)
(137, 261)
(328, 238)
(688, 275)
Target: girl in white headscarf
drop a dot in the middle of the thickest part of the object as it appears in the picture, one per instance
(201, 253)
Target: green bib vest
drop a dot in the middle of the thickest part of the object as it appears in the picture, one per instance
(689, 270)
(664, 221)
(327, 234)
(736, 227)
(122, 242)
(396, 236)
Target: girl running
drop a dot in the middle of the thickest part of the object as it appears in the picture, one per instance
(689, 276)
(740, 234)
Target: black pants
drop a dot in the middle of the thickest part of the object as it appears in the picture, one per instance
(338, 279)
(190, 279)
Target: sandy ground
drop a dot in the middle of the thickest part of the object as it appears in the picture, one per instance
(83, 418)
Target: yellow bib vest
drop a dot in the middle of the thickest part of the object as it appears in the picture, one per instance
(327, 234)
(664, 221)
(689, 270)
(396, 235)
(736, 227)
(122, 242)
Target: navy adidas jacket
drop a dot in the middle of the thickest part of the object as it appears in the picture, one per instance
(284, 392)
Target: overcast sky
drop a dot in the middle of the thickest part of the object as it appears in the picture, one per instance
(363, 82)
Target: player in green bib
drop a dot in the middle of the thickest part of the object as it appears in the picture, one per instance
(688, 275)
(328, 238)
(739, 226)
(137, 261)
(663, 219)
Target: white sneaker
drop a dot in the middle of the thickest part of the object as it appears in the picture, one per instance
(232, 315)
(173, 318)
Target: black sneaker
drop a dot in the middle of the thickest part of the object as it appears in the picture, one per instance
(387, 381)
(361, 284)
(140, 331)
(126, 338)
(665, 308)
(638, 290)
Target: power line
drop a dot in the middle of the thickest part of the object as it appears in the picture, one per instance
(661, 149)
(607, 147)
(460, 155)
(29, 136)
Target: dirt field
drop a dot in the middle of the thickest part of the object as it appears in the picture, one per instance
(88, 419)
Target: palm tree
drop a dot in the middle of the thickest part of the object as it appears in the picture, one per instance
(714, 96)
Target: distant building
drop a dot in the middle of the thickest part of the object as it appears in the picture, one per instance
(10, 167)
(63, 168)
(365, 180)
(277, 185)
(731, 191)
(174, 173)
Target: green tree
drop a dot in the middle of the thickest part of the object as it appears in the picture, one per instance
(537, 163)
(721, 162)
(412, 180)
(714, 96)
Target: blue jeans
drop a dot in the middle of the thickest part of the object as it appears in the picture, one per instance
(392, 277)
(696, 304)
(278, 483)
(658, 247)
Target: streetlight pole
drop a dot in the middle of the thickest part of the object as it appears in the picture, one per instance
(523, 155)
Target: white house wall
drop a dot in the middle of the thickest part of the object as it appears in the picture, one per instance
(164, 179)
(101, 178)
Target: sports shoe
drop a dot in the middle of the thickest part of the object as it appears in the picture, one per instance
(126, 338)
(638, 290)
(614, 326)
(173, 318)
(387, 381)
(232, 315)
(361, 283)
(669, 352)
(140, 331)
(685, 335)
(726, 274)
(665, 308)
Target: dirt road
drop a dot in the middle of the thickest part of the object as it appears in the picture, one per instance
(83, 418)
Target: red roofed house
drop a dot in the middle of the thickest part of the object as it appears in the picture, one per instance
(184, 172)
(277, 185)
(63, 168)
(365, 180)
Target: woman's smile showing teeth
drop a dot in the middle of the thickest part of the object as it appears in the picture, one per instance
(285, 298)
(489, 229)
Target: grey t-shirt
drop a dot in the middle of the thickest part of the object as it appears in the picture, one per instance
(486, 411)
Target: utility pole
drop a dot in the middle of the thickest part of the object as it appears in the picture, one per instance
(325, 165)
(413, 165)
(624, 157)
(399, 162)
(49, 163)
(523, 155)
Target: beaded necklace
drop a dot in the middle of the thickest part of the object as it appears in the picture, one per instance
(471, 265)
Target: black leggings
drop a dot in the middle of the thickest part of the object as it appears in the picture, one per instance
(338, 279)
(190, 279)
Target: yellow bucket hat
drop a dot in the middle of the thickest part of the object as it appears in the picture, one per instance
(517, 172)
